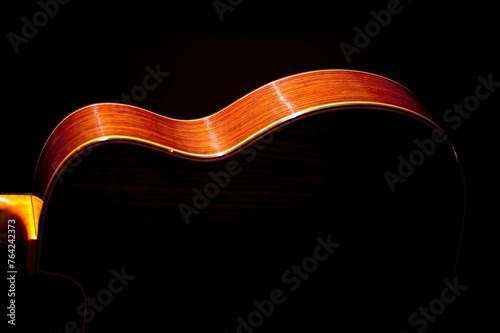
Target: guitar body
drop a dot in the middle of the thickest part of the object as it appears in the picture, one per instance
(307, 221)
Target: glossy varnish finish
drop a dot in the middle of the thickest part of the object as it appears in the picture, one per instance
(223, 132)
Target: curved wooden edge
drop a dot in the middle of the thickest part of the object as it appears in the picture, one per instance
(224, 132)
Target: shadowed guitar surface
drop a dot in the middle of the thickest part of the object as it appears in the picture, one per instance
(273, 214)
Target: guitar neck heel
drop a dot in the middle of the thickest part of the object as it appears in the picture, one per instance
(19, 217)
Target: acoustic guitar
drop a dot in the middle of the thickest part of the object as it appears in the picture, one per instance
(308, 204)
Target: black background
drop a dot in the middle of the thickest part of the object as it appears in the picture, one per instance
(92, 52)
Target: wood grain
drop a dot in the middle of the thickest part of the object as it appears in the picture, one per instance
(223, 132)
